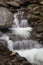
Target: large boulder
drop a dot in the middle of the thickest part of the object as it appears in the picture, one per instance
(6, 18)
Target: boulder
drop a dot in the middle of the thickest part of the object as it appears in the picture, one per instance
(13, 3)
(6, 18)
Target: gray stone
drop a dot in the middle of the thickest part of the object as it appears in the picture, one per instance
(6, 18)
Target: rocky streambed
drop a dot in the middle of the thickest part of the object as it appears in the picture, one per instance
(32, 13)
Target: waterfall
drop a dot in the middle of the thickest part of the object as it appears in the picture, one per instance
(26, 44)
(24, 23)
(22, 31)
(16, 21)
(30, 49)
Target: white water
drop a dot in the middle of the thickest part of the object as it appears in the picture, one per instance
(16, 21)
(35, 56)
(24, 23)
(23, 32)
(26, 44)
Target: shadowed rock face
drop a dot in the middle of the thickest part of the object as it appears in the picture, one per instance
(9, 58)
(17, 3)
(6, 18)
(35, 17)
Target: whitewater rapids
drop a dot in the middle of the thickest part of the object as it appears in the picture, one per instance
(35, 56)
(23, 32)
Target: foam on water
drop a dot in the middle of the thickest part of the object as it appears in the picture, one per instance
(35, 56)
(23, 32)
(26, 44)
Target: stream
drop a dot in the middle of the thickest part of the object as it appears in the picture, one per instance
(18, 39)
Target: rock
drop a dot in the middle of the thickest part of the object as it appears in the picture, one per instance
(34, 13)
(3, 4)
(34, 1)
(41, 2)
(4, 42)
(35, 18)
(1, 34)
(9, 58)
(13, 3)
(6, 18)
(22, 2)
(13, 6)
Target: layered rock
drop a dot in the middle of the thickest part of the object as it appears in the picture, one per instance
(15, 4)
(21, 2)
(35, 18)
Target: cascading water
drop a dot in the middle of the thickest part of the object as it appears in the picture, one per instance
(35, 56)
(9, 42)
(23, 45)
(23, 32)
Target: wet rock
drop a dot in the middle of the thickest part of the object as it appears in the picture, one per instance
(26, 2)
(13, 6)
(1, 34)
(9, 58)
(35, 17)
(13, 3)
(6, 18)
(34, 1)
(22, 2)
(16, 37)
(35, 9)
(38, 34)
(4, 42)
(34, 13)
(41, 2)
(3, 5)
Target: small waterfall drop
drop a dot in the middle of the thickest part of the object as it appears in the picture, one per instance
(21, 35)
(22, 31)
(26, 44)
(24, 23)
(16, 21)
